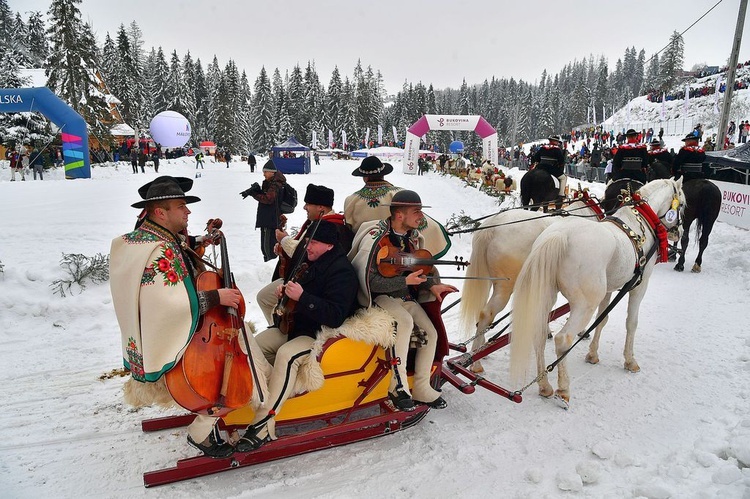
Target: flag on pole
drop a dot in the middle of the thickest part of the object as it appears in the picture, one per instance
(343, 139)
(593, 110)
(716, 95)
(330, 138)
(686, 105)
(663, 106)
(380, 134)
(314, 139)
(367, 137)
(395, 136)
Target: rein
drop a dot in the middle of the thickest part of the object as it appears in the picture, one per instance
(590, 203)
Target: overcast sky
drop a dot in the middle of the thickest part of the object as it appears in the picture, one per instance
(433, 41)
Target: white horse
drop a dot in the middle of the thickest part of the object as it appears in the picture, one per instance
(499, 249)
(586, 263)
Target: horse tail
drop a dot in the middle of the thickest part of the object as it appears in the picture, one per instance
(534, 296)
(474, 293)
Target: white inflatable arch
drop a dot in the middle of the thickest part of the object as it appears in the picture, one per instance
(439, 122)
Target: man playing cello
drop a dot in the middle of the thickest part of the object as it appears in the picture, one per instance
(152, 279)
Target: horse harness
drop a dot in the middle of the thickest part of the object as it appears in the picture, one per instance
(644, 212)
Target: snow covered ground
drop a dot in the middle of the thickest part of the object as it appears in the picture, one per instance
(679, 428)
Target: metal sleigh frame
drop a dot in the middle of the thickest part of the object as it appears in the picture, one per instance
(362, 421)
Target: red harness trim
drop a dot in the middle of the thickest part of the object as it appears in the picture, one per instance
(656, 226)
(592, 203)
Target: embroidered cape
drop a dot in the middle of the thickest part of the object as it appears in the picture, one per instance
(154, 298)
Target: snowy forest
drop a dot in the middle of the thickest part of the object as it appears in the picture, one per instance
(224, 106)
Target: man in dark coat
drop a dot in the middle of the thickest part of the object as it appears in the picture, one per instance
(689, 161)
(659, 159)
(318, 206)
(551, 158)
(251, 161)
(268, 196)
(631, 159)
(326, 295)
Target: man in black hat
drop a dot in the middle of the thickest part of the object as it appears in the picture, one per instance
(325, 295)
(268, 218)
(551, 158)
(319, 206)
(398, 295)
(689, 160)
(152, 280)
(371, 203)
(659, 160)
(631, 159)
(368, 203)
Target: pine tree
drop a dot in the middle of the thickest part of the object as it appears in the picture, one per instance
(157, 76)
(244, 122)
(202, 101)
(333, 112)
(296, 101)
(143, 109)
(178, 95)
(652, 79)
(213, 78)
(672, 61)
(224, 116)
(36, 41)
(72, 66)
(262, 113)
(126, 80)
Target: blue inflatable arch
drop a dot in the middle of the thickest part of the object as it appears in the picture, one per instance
(75, 138)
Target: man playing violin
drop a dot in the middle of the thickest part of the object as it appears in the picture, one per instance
(371, 203)
(152, 280)
(398, 295)
(322, 292)
(318, 205)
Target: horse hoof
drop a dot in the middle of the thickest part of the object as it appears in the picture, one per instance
(545, 391)
(562, 400)
(696, 269)
(679, 268)
(477, 367)
(592, 359)
(632, 366)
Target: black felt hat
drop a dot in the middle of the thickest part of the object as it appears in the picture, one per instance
(630, 132)
(655, 142)
(165, 187)
(406, 198)
(269, 166)
(555, 138)
(690, 136)
(372, 165)
(319, 194)
(326, 233)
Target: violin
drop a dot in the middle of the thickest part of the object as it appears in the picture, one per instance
(213, 376)
(283, 312)
(393, 262)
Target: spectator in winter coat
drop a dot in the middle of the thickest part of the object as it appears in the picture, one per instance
(268, 218)
(37, 163)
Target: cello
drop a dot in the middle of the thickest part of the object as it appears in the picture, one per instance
(213, 376)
